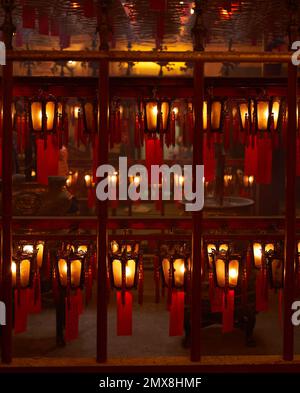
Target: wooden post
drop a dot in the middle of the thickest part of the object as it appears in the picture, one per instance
(7, 148)
(290, 214)
(102, 236)
(197, 216)
(198, 34)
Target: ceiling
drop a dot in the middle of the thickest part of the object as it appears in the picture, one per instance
(137, 25)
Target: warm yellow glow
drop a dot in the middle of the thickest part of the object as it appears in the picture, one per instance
(205, 115)
(179, 179)
(113, 179)
(40, 254)
(223, 247)
(25, 272)
(88, 181)
(63, 270)
(262, 115)
(28, 248)
(36, 114)
(175, 110)
(33, 173)
(69, 181)
(129, 273)
(244, 113)
(233, 272)
(76, 273)
(114, 247)
(220, 272)
(269, 247)
(299, 247)
(211, 248)
(179, 270)
(251, 180)
(227, 180)
(275, 112)
(257, 254)
(83, 248)
(77, 111)
(216, 110)
(14, 273)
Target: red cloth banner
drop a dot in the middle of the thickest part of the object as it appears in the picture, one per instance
(209, 160)
(88, 8)
(176, 321)
(264, 162)
(154, 154)
(124, 314)
(215, 295)
(158, 5)
(28, 16)
(21, 311)
(228, 311)
(43, 24)
(47, 159)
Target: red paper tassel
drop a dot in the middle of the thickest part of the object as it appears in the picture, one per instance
(251, 158)
(261, 291)
(88, 8)
(21, 311)
(228, 311)
(264, 163)
(88, 285)
(215, 295)
(157, 279)
(79, 301)
(157, 5)
(176, 321)
(72, 318)
(28, 16)
(47, 159)
(154, 154)
(124, 314)
(43, 24)
(91, 198)
(227, 133)
(209, 160)
(173, 129)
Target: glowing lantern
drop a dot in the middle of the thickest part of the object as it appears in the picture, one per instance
(248, 181)
(124, 265)
(276, 270)
(70, 269)
(174, 271)
(267, 112)
(88, 181)
(157, 115)
(260, 252)
(89, 112)
(213, 248)
(216, 110)
(245, 111)
(22, 268)
(226, 269)
(43, 114)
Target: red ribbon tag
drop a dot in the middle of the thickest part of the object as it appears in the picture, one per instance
(124, 314)
(176, 321)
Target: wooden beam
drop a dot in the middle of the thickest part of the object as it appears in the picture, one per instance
(118, 56)
(290, 214)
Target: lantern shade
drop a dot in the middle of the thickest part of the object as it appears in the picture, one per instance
(227, 270)
(157, 115)
(268, 111)
(90, 113)
(245, 112)
(43, 114)
(257, 255)
(124, 262)
(70, 269)
(276, 271)
(130, 273)
(205, 115)
(21, 270)
(216, 116)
